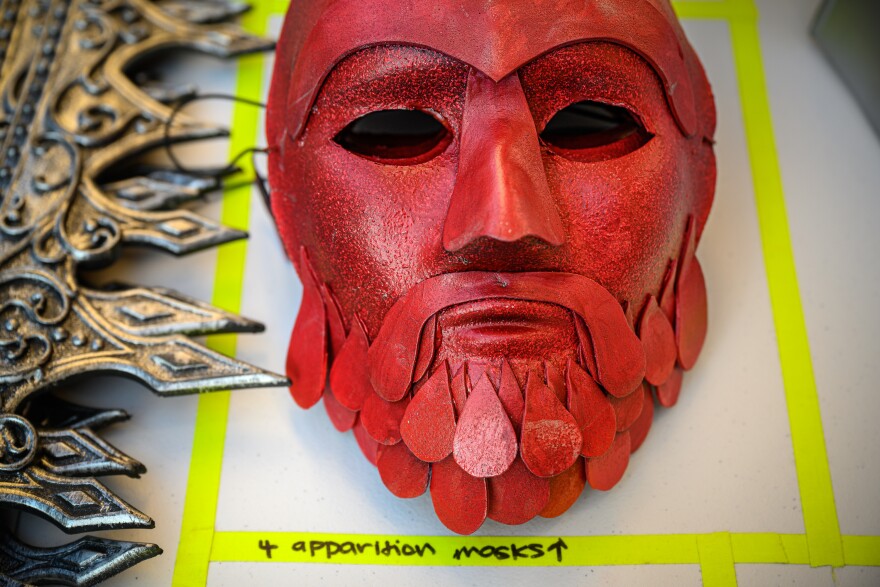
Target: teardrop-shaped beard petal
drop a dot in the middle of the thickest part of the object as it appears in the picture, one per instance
(628, 409)
(517, 496)
(368, 446)
(349, 375)
(427, 348)
(460, 500)
(691, 314)
(551, 439)
(668, 392)
(428, 425)
(342, 418)
(511, 396)
(307, 354)
(402, 473)
(606, 471)
(335, 322)
(592, 410)
(565, 489)
(382, 419)
(485, 441)
(639, 430)
(658, 340)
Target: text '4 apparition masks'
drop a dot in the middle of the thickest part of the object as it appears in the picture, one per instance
(493, 207)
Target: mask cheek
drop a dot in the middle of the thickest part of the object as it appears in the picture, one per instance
(373, 229)
(704, 177)
(625, 216)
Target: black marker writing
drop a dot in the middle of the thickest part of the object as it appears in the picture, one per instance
(398, 548)
(329, 548)
(558, 546)
(512, 552)
(268, 547)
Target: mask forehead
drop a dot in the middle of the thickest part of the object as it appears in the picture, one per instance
(495, 37)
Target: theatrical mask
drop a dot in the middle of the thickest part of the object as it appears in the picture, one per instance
(493, 207)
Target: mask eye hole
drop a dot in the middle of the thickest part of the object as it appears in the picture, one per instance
(592, 131)
(395, 137)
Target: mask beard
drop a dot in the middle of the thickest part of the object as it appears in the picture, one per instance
(508, 391)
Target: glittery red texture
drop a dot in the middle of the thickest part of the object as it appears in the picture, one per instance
(485, 441)
(499, 141)
(494, 317)
(565, 489)
(428, 425)
(517, 495)
(496, 37)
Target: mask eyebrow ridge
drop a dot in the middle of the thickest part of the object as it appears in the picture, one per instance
(388, 71)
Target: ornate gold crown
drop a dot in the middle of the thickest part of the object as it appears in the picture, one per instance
(69, 115)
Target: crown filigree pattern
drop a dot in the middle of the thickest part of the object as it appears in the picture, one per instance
(69, 116)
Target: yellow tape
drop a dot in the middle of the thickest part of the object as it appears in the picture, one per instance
(807, 435)
(769, 548)
(716, 553)
(200, 507)
(206, 464)
(364, 549)
(716, 560)
(721, 10)
(862, 550)
(279, 7)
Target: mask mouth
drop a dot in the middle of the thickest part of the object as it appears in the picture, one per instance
(470, 300)
(504, 317)
(497, 328)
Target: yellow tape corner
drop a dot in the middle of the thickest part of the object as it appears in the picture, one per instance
(716, 560)
(802, 399)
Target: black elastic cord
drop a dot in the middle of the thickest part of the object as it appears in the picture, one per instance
(232, 167)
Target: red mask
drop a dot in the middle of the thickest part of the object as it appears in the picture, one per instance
(494, 209)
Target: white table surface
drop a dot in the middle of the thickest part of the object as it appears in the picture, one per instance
(721, 460)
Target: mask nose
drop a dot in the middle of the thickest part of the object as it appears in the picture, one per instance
(501, 190)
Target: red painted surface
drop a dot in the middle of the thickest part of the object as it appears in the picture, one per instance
(342, 418)
(349, 376)
(565, 489)
(497, 253)
(668, 392)
(428, 425)
(606, 471)
(485, 442)
(638, 432)
(381, 418)
(551, 439)
(592, 410)
(368, 446)
(511, 396)
(517, 496)
(658, 340)
(402, 473)
(460, 500)
(307, 354)
(627, 409)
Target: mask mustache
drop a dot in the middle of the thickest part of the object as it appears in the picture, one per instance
(618, 352)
